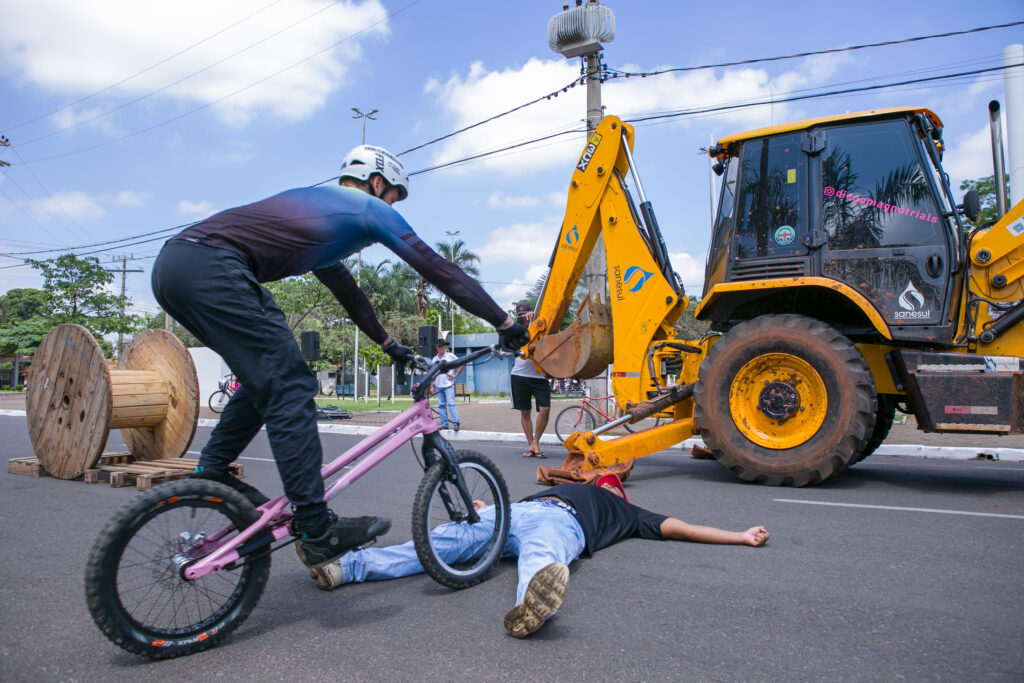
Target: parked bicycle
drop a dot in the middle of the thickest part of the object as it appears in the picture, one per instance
(588, 415)
(181, 566)
(226, 388)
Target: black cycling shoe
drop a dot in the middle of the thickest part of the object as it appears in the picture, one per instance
(250, 492)
(343, 534)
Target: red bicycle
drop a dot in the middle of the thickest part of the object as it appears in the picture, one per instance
(588, 415)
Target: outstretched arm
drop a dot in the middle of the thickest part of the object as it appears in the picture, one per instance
(678, 530)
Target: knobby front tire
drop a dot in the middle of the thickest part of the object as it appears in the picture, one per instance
(460, 554)
(133, 582)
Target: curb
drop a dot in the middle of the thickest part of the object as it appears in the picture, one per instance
(903, 450)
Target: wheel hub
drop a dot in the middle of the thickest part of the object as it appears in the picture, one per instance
(778, 400)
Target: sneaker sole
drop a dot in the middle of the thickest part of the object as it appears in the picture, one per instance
(381, 527)
(323, 579)
(544, 595)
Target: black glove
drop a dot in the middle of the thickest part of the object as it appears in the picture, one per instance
(515, 337)
(400, 354)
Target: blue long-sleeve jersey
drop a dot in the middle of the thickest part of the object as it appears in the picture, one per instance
(311, 229)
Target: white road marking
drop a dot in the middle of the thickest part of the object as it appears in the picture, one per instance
(903, 509)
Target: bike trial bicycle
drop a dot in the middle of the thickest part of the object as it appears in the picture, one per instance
(181, 566)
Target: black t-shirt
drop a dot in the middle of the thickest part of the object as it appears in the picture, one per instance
(606, 518)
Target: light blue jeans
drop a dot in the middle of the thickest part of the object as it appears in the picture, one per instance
(446, 403)
(540, 533)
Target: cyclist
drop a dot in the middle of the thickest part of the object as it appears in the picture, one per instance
(208, 278)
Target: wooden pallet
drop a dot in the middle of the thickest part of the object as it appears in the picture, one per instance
(122, 469)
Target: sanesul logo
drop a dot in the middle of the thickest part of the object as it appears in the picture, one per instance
(635, 278)
(912, 302)
(572, 236)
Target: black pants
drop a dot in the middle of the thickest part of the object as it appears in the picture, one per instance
(213, 293)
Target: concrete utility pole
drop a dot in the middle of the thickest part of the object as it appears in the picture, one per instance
(124, 276)
(4, 142)
(580, 32)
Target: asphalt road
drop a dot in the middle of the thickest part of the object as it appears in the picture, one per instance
(901, 568)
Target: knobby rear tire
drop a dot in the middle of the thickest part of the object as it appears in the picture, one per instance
(135, 591)
(465, 553)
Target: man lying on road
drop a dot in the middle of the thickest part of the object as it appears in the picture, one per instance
(548, 531)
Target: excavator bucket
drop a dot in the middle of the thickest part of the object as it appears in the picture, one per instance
(582, 350)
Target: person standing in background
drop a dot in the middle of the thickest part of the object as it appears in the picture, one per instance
(528, 383)
(444, 386)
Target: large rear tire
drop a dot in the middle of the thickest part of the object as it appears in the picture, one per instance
(452, 551)
(133, 580)
(785, 400)
(884, 418)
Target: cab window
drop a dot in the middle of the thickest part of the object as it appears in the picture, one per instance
(875, 190)
(770, 220)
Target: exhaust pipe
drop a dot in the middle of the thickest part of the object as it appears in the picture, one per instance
(996, 127)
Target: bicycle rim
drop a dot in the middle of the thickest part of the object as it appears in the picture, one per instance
(218, 400)
(573, 419)
(454, 552)
(134, 586)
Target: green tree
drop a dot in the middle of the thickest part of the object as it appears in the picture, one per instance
(76, 290)
(156, 322)
(22, 304)
(986, 189)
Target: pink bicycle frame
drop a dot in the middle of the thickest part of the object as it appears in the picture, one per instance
(411, 422)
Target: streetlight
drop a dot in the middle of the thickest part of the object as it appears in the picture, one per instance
(451, 305)
(359, 266)
(361, 115)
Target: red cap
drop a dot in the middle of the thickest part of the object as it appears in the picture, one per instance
(614, 480)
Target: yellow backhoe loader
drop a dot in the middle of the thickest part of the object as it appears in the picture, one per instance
(841, 286)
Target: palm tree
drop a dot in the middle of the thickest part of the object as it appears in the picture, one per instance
(457, 253)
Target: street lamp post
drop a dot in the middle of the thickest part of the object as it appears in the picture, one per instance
(452, 235)
(361, 115)
(359, 266)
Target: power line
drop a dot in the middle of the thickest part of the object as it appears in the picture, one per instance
(147, 69)
(229, 95)
(185, 78)
(554, 93)
(819, 52)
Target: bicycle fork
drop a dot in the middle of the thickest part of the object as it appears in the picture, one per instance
(436, 448)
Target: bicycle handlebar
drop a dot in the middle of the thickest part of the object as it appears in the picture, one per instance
(432, 369)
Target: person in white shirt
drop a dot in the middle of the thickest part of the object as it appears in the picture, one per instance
(529, 384)
(444, 386)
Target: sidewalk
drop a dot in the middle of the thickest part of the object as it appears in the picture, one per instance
(493, 420)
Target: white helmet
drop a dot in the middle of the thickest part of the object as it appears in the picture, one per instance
(365, 160)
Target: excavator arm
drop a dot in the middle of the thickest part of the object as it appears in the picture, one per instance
(643, 300)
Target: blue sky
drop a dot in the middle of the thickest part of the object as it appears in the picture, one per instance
(145, 116)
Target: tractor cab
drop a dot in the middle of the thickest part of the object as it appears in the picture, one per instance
(848, 219)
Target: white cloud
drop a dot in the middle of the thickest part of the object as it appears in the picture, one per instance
(520, 242)
(70, 47)
(203, 208)
(499, 200)
(690, 270)
(129, 198)
(969, 156)
(62, 205)
(482, 93)
(91, 117)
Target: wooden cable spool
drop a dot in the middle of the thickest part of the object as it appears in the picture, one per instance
(74, 399)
